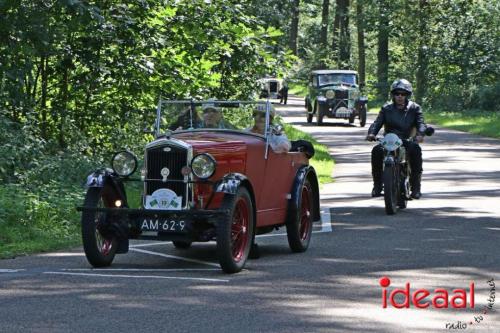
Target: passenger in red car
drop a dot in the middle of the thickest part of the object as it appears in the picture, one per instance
(278, 141)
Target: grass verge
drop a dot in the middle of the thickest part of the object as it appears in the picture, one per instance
(38, 221)
(322, 161)
(477, 122)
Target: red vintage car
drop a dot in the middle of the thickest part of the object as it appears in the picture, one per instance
(207, 176)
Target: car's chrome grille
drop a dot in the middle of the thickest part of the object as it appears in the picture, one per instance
(171, 157)
(341, 94)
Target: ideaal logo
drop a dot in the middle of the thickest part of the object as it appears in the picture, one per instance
(440, 297)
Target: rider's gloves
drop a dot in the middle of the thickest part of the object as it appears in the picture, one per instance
(370, 137)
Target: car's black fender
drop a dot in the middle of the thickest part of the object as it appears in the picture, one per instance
(304, 173)
(107, 177)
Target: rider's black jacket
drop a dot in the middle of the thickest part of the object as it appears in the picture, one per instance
(399, 122)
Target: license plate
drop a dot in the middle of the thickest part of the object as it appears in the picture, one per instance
(154, 226)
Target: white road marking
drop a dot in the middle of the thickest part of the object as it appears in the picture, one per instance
(150, 244)
(138, 276)
(326, 221)
(175, 257)
(11, 270)
(139, 269)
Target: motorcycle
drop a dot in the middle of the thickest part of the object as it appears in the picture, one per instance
(396, 174)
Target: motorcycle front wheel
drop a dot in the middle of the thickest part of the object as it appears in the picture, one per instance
(391, 188)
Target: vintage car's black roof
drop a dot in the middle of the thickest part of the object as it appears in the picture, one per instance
(333, 71)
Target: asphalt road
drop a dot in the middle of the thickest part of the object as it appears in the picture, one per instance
(448, 239)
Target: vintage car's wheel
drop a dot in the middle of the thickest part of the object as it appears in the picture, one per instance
(235, 233)
(99, 244)
(182, 245)
(299, 227)
(362, 116)
(309, 111)
(391, 189)
(319, 114)
(351, 118)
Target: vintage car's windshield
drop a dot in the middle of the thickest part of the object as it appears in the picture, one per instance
(245, 116)
(336, 78)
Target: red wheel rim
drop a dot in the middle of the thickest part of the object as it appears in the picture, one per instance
(239, 229)
(305, 215)
(103, 245)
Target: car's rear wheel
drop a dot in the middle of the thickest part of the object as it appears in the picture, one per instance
(181, 245)
(235, 233)
(299, 226)
(99, 244)
(319, 114)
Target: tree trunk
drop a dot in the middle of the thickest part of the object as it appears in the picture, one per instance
(360, 22)
(422, 61)
(44, 62)
(345, 38)
(324, 23)
(383, 51)
(335, 31)
(294, 29)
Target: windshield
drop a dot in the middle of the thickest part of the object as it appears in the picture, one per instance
(245, 116)
(325, 79)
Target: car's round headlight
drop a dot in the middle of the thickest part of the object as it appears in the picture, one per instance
(203, 166)
(124, 163)
(330, 94)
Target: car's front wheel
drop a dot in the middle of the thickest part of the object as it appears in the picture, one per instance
(362, 116)
(299, 226)
(319, 114)
(235, 232)
(99, 244)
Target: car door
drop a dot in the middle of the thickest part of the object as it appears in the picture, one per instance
(279, 174)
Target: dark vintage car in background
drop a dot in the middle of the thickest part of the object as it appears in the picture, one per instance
(200, 184)
(335, 94)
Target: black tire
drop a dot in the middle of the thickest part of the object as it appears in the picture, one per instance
(99, 244)
(319, 114)
(233, 245)
(309, 112)
(181, 245)
(402, 200)
(362, 116)
(391, 189)
(351, 118)
(299, 226)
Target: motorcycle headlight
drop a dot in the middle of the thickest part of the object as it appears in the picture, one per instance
(124, 163)
(330, 94)
(203, 166)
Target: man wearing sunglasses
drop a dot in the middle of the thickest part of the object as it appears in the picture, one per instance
(212, 117)
(401, 117)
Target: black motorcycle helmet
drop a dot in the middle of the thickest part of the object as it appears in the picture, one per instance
(402, 84)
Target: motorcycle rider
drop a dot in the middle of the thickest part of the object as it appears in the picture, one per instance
(401, 117)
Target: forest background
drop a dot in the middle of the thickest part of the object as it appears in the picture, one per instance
(80, 79)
